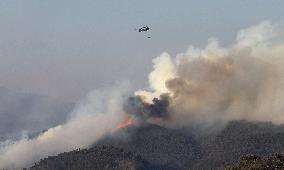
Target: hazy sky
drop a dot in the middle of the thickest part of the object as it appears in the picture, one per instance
(65, 48)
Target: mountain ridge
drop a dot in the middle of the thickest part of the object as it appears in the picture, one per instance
(173, 149)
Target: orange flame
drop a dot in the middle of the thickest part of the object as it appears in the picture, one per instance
(125, 124)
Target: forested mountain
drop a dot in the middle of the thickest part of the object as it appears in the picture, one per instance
(154, 146)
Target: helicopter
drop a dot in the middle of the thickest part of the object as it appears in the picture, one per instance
(144, 29)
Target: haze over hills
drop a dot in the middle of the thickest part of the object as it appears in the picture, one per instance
(25, 114)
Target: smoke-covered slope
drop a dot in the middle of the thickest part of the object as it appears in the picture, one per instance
(174, 150)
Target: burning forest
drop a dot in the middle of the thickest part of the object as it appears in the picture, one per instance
(205, 87)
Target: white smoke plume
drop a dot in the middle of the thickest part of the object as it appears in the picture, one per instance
(164, 69)
(93, 118)
(217, 84)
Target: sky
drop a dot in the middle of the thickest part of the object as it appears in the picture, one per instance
(66, 48)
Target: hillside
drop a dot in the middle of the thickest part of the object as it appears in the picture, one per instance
(175, 149)
(98, 157)
(158, 145)
(242, 138)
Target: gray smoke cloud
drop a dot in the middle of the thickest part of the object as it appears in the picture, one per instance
(218, 84)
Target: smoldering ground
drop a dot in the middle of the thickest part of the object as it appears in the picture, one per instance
(207, 87)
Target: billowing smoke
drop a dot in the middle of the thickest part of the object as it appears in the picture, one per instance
(216, 84)
(206, 86)
(93, 118)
